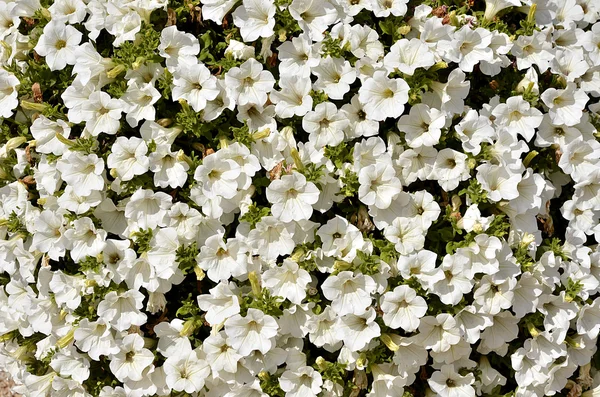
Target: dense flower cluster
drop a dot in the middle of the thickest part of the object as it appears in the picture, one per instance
(300, 197)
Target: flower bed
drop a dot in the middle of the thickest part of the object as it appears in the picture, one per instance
(300, 197)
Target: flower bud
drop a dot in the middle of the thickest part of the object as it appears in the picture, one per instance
(321, 363)
(38, 107)
(530, 156)
(164, 122)
(66, 340)
(297, 160)
(114, 72)
(181, 156)
(199, 273)
(438, 66)
(387, 340)
(261, 134)
(90, 283)
(297, 255)
(64, 140)
(255, 283)
(456, 203)
(188, 328)
(533, 331)
(46, 13)
(403, 30)
(340, 265)
(7, 336)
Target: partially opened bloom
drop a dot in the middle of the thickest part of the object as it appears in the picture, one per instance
(140, 100)
(176, 45)
(44, 132)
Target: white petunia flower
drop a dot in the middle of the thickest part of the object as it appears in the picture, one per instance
(249, 83)
(518, 116)
(8, 93)
(122, 310)
(44, 132)
(378, 185)
(255, 331)
(58, 44)
(565, 106)
(219, 354)
(186, 371)
(128, 157)
(349, 293)
(130, 363)
(292, 197)
(101, 113)
(383, 97)
(358, 330)
(406, 234)
(255, 18)
(84, 173)
(402, 308)
(302, 382)
(408, 55)
(195, 84)
(287, 281)
(447, 382)
(325, 125)
(294, 98)
(423, 126)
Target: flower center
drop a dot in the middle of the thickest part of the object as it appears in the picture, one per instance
(388, 93)
(60, 44)
(129, 356)
(292, 193)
